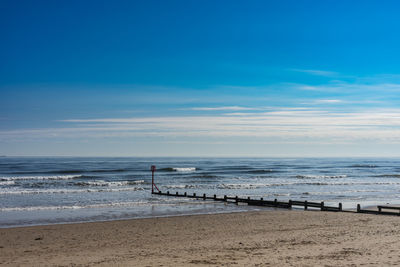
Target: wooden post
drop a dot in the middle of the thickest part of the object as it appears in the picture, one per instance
(340, 207)
(305, 205)
(153, 169)
(204, 196)
(322, 205)
(358, 208)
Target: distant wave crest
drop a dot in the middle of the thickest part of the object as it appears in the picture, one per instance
(363, 166)
(182, 169)
(320, 176)
(389, 175)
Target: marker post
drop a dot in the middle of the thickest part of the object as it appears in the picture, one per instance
(153, 169)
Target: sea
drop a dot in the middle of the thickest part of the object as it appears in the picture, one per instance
(54, 190)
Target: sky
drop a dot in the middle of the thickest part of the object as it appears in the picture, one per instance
(200, 78)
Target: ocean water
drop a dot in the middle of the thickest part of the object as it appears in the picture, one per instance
(36, 191)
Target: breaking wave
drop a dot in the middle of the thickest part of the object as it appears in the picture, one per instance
(388, 175)
(320, 176)
(104, 183)
(7, 183)
(105, 205)
(238, 186)
(182, 186)
(76, 171)
(53, 177)
(183, 169)
(67, 191)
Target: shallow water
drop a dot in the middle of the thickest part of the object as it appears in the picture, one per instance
(58, 190)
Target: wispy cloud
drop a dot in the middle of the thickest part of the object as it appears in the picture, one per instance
(289, 125)
(361, 90)
(323, 73)
(328, 101)
(234, 108)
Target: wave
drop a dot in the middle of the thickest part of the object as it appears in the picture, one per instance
(350, 183)
(76, 171)
(255, 186)
(105, 205)
(320, 176)
(53, 177)
(262, 171)
(342, 192)
(363, 166)
(67, 171)
(388, 175)
(240, 167)
(7, 183)
(67, 191)
(109, 170)
(104, 183)
(182, 186)
(239, 186)
(205, 175)
(251, 186)
(183, 169)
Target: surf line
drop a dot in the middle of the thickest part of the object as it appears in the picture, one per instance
(273, 203)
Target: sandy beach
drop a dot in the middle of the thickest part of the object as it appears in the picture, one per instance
(275, 238)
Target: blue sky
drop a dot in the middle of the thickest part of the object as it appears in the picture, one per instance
(200, 78)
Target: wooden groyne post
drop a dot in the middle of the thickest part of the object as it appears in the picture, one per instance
(274, 203)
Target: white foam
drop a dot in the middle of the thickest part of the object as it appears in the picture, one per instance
(7, 182)
(251, 186)
(321, 176)
(53, 177)
(187, 169)
(67, 191)
(258, 185)
(181, 186)
(105, 205)
(282, 194)
(239, 186)
(163, 202)
(110, 184)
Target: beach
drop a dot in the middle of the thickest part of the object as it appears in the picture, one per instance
(265, 238)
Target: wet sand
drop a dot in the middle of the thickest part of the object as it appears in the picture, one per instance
(268, 238)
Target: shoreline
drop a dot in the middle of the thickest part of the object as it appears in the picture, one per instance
(266, 209)
(247, 208)
(244, 210)
(240, 238)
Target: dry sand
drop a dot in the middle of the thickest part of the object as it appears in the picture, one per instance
(268, 238)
